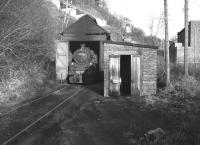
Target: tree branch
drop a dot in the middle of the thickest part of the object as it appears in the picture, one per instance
(1, 10)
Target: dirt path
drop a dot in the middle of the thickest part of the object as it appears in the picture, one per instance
(90, 119)
(19, 119)
(47, 132)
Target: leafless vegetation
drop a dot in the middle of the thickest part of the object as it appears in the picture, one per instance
(181, 87)
(27, 32)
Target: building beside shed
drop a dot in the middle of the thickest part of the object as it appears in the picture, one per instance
(193, 35)
(193, 43)
(87, 55)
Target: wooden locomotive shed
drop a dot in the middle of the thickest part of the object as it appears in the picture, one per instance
(124, 68)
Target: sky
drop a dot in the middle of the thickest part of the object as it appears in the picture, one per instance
(144, 13)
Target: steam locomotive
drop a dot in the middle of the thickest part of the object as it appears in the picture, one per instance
(83, 67)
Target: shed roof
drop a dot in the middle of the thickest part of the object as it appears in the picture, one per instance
(85, 29)
(132, 44)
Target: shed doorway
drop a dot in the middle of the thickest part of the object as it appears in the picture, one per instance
(125, 75)
(84, 58)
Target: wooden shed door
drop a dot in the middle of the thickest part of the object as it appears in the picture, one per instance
(62, 60)
(135, 75)
(114, 75)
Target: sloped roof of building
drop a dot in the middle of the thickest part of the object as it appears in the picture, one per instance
(139, 45)
(85, 29)
(193, 22)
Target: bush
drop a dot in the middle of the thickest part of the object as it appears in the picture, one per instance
(27, 33)
(181, 86)
(22, 84)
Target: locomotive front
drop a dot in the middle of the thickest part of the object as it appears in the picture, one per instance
(83, 68)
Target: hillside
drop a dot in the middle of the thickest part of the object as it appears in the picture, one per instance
(28, 30)
(115, 24)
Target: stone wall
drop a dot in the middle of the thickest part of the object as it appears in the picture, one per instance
(148, 57)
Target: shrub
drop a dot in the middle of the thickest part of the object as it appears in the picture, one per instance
(181, 86)
(27, 33)
(22, 84)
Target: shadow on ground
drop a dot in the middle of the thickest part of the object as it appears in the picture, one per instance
(90, 119)
(123, 122)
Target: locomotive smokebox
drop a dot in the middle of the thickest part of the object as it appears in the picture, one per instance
(83, 66)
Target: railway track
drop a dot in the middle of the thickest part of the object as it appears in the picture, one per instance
(23, 129)
(32, 101)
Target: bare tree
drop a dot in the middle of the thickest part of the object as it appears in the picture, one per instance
(151, 26)
(26, 32)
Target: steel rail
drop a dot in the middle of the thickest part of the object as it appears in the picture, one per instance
(40, 118)
(27, 103)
